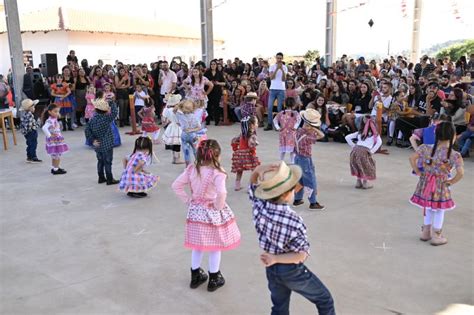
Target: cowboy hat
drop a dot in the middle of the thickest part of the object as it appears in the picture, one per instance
(251, 95)
(27, 103)
(172, 99)
(276, 183)
(312, 117)
(101, 104)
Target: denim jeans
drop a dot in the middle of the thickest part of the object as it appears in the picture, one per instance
(279, 95)
(465, 141)
(104, 164)
(238, 113)
(284, 278)
(31, 144)
(189, 142)
(308, 179)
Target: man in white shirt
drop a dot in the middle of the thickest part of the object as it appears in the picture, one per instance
(167, 80)
(384, 97)
(278, 73)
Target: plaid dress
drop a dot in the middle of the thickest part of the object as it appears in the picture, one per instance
(132, 181)
(207, 227)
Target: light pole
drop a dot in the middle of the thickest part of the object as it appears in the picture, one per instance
(331, 21)
(207, 36)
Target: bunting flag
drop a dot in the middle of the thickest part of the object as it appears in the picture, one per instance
(361, 4)
(455, 10)
(404, 8)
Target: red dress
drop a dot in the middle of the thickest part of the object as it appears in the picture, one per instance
(148, 121)
(244, 157)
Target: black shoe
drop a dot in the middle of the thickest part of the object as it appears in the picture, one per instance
(112, 182)
(135, 195)
(142, 194)
(59, 171)
(102, 180)
(28, 160)
(216, 280)
(36, 160)
(389, 141)
(297, 202)
(122, 124)
(198, 277)
(316, 206)
(268, 127)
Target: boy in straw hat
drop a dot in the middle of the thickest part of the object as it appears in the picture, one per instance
(306, 136)
(29, 126)
(99, 133)
(282, 236)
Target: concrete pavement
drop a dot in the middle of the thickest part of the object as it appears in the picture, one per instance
(71, 246)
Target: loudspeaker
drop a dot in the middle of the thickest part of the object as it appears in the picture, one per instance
(49, 65)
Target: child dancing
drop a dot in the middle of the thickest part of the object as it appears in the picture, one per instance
(55, 145)
(306, 136)
(367, 142)
(433, 192)
(287, 122)
(210, 223)
(190, 119)
(172, 133)
(135, 181)
(244, 147)
(282, 236)
(29, 126)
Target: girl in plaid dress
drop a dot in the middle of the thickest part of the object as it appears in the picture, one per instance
(210, 223)
(244, 157)
(135, 181)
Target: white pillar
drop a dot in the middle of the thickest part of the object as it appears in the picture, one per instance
(207, 37)
(415, 37)
(331, 21)
(16, 47)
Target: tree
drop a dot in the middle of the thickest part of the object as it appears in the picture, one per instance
(454, 52)
(310, 57)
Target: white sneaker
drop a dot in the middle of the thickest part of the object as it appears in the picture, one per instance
(74, 126)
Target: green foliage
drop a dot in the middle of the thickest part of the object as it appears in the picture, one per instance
(457, 50)
(310, 56)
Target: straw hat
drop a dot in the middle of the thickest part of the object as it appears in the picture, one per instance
(27, 104)
(278, 182)
(311, 117)
(172, 99)
(101, 104)
(251, 95)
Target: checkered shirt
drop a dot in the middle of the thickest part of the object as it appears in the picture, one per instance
(28, 123)
(280, 230)
(305, 138)
(99, 128)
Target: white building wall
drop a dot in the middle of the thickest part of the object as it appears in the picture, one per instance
(108, 47)
(39, 43)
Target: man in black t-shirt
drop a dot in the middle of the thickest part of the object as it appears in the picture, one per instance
(430, 102)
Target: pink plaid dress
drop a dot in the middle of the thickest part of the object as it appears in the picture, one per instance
(210, 223)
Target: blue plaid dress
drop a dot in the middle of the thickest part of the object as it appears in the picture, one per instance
(141, 181)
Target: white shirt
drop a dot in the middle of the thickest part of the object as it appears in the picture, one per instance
(168, 78)
(368, 142)
(278, 83)
(386, 100)
(139, 101)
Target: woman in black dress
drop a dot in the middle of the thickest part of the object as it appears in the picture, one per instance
(214, 98)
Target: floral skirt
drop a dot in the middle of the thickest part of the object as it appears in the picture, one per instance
(362, 164)
(55, 146)
(209, 229)
(432, 193)
(244, 160)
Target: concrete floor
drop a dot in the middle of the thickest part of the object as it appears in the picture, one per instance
(71, 246)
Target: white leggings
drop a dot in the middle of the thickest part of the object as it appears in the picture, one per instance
(292, 157)
(214, 260)
(434, 217)
(391, 130)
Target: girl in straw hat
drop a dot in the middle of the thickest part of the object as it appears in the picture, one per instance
(244, 156)
(210, 223)
(364, 143)
(172, 133)
(190, 119)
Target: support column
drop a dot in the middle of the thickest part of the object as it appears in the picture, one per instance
(16, 47)
(207, 37)
(415, 37)
(331, 21)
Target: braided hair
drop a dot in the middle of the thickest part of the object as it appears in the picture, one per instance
(207, 154)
